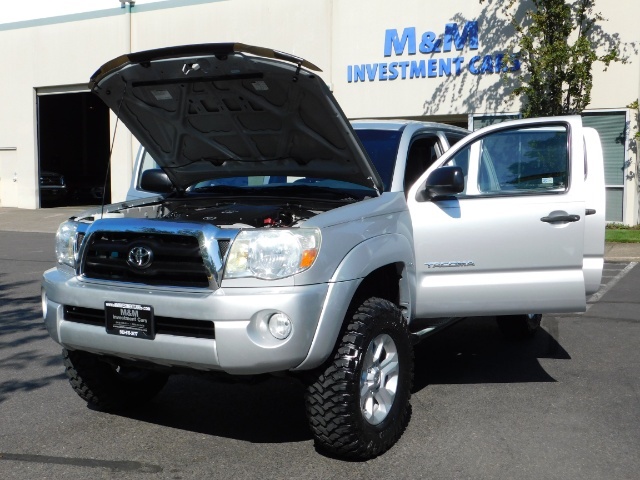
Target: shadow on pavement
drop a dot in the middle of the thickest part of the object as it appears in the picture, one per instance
(474, 351)
(268, 412)
(21, 333)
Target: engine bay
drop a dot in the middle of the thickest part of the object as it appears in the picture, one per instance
(241, 215)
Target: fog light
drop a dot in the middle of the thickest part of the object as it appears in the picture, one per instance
(280, 326)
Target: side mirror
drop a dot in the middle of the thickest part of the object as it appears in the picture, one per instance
(155, 180)
(442, 182)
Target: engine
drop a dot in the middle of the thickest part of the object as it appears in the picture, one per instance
(241, 215)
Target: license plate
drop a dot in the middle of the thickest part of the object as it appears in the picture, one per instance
(129, 320)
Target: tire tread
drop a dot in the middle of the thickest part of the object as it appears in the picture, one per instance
(330, 400)
(97, 383)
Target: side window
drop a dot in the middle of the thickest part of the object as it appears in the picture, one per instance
(422, 153)
(453, 138)
(524, 160)
(148, 163)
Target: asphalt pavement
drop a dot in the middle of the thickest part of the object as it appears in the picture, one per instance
(562, 406)
(46, 220)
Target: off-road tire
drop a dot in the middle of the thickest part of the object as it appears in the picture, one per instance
(519, 327)
(107, 386)
(333, 400)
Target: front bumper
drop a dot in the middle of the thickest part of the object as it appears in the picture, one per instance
(242, 344)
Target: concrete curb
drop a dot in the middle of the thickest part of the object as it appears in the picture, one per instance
(622, 252)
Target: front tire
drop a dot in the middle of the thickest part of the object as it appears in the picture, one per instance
(519, 327)
(110, 386)
(358, 406)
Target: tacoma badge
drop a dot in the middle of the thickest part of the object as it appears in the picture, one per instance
(467, 263)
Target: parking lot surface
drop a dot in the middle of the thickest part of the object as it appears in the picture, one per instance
(564, 405)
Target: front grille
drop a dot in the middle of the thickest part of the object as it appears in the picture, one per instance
(223, 245)
(176, 260)
(181, 327)
(52, 181)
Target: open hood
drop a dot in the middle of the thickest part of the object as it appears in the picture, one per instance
(223, 110)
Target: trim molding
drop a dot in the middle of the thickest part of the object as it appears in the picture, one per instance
(111, 12)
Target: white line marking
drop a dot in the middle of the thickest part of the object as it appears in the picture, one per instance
(599, 294)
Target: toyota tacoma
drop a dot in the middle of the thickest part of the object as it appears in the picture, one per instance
(282, 239)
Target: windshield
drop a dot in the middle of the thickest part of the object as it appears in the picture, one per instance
(302, 187)
(382, 147)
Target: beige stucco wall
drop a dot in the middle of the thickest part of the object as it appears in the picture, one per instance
(333, 34)
(299, 28)
(619, 85)
(49, 57)
(54, 56)
(358, 38)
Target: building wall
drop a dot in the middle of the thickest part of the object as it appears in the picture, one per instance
(59, 54)
(442, 94)
(46, 58)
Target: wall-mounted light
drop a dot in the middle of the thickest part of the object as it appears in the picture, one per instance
(130, 2)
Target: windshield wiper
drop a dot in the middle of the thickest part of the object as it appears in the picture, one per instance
(223, 189)
(313, 190)
(306, 190)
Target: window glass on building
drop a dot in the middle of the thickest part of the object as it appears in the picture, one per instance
(612, 128)
(481, 121)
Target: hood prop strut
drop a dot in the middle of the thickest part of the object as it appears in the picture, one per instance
(113, 141)
(373, 184)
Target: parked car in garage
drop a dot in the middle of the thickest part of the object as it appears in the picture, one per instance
(52, 187)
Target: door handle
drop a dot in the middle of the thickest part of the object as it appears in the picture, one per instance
(590, 211)
(560, 218)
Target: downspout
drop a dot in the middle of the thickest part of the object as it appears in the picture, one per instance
(122, 167)
(127, 5)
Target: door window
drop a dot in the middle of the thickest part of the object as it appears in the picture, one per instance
(461, 159)
(516, 161)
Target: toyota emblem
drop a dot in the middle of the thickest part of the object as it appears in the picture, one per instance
(140, 257)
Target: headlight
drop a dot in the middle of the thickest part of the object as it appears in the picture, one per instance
(65, 242)
(272, 253)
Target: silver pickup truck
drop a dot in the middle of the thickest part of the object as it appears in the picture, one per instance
(281, 239)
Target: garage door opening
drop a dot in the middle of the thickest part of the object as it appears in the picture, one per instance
(73, 145)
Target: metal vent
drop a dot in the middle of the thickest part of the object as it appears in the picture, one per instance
(223, 245)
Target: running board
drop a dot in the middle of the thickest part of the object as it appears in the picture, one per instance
(416, 337)
(436, 325)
